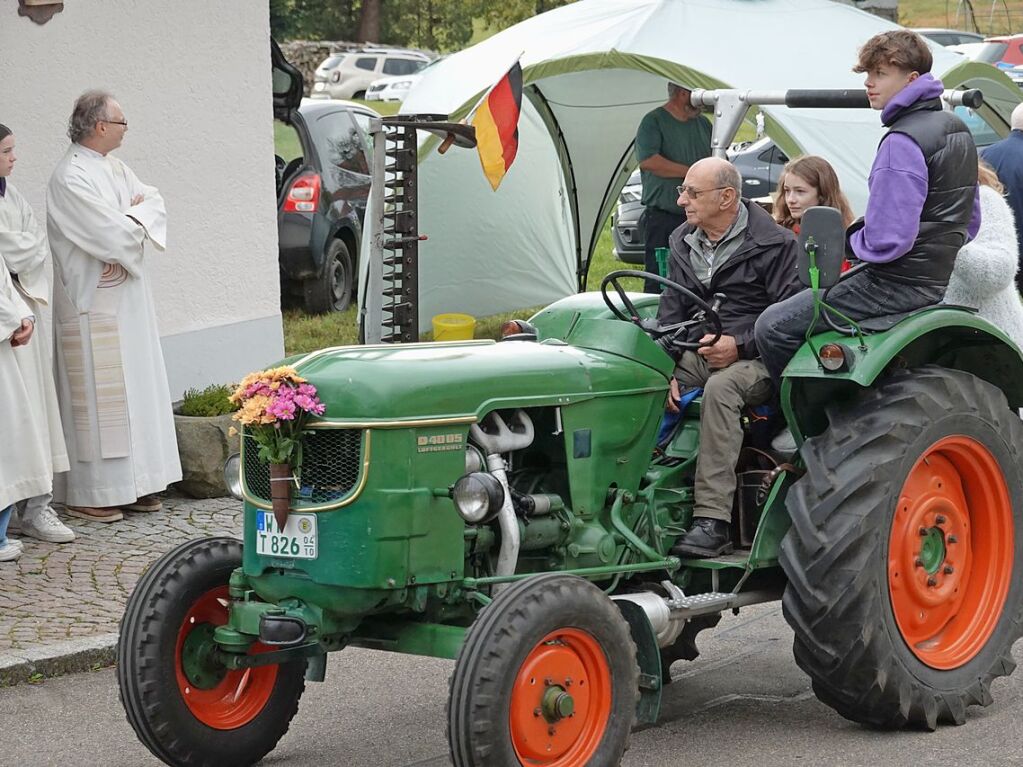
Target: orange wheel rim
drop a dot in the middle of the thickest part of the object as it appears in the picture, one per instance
(950, 552)
(561, 700)
(238, 697)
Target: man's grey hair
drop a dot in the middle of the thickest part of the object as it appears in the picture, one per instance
(730, 178)
(90, 108)
(1016, 121)
(674, 89)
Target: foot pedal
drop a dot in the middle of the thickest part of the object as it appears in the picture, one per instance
(702, 604)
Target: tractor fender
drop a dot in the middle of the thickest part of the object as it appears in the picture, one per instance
(648, 656)
(950, 337)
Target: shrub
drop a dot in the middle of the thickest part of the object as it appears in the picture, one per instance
(213, 400)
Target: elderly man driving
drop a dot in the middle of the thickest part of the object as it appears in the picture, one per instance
(729, 246)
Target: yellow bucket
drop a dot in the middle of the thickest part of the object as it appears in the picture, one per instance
(453, 327)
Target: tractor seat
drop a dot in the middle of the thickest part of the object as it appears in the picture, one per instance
(889, 321)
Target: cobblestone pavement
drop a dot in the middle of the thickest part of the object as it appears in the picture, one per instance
(56, 591)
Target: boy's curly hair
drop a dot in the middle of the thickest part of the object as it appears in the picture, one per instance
(897, 48)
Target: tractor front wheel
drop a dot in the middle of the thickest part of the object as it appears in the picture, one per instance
(184, 705)
(547, 676)
(905, 555)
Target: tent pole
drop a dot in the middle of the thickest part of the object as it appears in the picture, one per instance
(543, 108)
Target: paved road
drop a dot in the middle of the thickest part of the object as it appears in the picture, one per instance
(743, 702)
(57, 592)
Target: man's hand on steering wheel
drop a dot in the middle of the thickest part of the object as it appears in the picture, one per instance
(669, 336)
(721, 353)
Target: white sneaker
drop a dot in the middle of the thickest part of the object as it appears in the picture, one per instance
(10, 550)
(784, 443)
(46, 526)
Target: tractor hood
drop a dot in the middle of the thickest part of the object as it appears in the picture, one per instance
(401, 382)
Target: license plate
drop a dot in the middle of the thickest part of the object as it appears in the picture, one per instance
(296, 541)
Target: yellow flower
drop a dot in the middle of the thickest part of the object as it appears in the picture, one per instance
(253, 411)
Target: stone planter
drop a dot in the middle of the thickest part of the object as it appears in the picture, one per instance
(203, 446)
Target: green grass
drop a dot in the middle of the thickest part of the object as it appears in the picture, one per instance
(1006, 19)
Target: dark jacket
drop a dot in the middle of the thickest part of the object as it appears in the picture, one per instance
(760, 273)
(951, 158)
(1006, 157)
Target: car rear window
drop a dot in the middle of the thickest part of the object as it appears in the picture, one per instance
(367, 62)
(332, 61)
(983, 134)
(991, 53)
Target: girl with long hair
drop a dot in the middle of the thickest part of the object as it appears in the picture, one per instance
(805, 182)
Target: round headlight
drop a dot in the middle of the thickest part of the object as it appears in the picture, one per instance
(233, 475)
(478, 496)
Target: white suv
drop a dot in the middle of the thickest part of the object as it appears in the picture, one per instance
(351, 73)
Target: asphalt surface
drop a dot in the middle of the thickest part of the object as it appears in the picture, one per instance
(743, 702)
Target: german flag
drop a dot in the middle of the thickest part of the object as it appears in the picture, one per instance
(497, 126)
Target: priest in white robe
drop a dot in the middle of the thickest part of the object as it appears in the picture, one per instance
(25, 256)
(104, 225)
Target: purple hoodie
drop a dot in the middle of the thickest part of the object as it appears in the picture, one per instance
(898, 186)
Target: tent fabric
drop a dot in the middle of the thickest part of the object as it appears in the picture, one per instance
(591, 70)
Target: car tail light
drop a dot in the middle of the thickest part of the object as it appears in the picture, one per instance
(304, 195)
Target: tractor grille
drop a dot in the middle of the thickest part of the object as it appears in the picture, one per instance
(330, 466)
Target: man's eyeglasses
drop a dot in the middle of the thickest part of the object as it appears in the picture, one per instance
(116, 122)
(694, 194)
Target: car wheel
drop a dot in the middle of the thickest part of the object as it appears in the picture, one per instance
(332, 290)
(359, 96)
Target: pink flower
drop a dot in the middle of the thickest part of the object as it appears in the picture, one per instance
(309, 404)
(307, 389)
(282, 408)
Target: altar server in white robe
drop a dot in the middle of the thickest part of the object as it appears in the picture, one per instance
(26, 257)
(104, 225)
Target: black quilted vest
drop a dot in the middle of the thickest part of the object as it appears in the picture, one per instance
(951, 158)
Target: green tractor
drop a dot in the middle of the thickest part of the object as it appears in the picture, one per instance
(508, 505)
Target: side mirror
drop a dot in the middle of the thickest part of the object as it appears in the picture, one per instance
(821, 231)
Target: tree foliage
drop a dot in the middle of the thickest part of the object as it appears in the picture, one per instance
(442, 25)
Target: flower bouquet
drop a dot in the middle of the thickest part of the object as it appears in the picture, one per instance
(274, 406)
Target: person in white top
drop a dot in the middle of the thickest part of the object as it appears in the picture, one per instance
(25, 259)
(104, 225)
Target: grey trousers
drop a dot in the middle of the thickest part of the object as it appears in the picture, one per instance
(725, 392)
(32, 507)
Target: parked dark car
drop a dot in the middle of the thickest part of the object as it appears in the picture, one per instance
(321, 198)
(759, 162)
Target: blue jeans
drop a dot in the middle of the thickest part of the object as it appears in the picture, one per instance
(5, 519)
(781, 328)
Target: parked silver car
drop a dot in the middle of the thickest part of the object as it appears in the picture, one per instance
(351, 74)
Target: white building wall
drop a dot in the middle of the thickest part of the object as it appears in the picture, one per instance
(193, 77)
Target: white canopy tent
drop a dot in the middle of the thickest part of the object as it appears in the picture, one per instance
(591, 70)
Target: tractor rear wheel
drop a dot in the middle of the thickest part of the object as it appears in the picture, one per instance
(185, 706)
(905, 555)
(547, 676)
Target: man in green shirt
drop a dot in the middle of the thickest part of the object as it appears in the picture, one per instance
(669, 140)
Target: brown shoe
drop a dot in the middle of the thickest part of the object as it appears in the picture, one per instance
(145, 503)
(96, 514)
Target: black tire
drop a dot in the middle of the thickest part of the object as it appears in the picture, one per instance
(359, 96)
(842, 567)
(147, 665)
(507, 632)
(332, 290)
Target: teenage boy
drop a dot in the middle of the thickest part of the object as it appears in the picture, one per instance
(924, 203)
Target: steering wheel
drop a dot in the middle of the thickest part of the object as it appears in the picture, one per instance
(705, 313)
